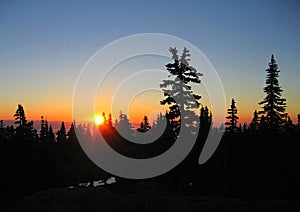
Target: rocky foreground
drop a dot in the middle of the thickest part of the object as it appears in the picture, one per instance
(141, 199)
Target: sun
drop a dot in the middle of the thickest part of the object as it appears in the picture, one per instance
(99, 120)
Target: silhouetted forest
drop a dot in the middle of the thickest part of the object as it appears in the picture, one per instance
(255, 161)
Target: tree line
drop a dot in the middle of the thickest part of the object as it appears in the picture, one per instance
(250, 162)
(180, 97)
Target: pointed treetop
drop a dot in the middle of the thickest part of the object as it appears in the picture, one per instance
(273, 105)
(174, 52)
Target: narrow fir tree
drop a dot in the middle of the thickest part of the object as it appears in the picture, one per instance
(273, 105)
(232, 118)
(44, 130)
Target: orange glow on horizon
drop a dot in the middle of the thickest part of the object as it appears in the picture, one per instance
(140, 106)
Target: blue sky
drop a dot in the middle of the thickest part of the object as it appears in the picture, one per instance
(44, 45)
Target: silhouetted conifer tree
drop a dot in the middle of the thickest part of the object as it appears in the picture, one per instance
(44, 130)
(159, 120)
(245, 128)
(145, 126)
(61, 134)
(255, 122)
(104, 118)
(273, 105)
(205, 123)
(205, 120)
(51, 135)
(109, 121)
(20, 121)
(31, 133)
(240, 129)
(232, 117)
(71, 133)
(177, 91)
(20, 116)
(123, 125)
(24, 129)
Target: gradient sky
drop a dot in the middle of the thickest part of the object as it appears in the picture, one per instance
(45, 44)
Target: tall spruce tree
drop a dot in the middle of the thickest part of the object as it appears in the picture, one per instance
(273, 105)
(178, 92)
(232, 118)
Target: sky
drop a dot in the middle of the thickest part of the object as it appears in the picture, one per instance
(45, 44)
